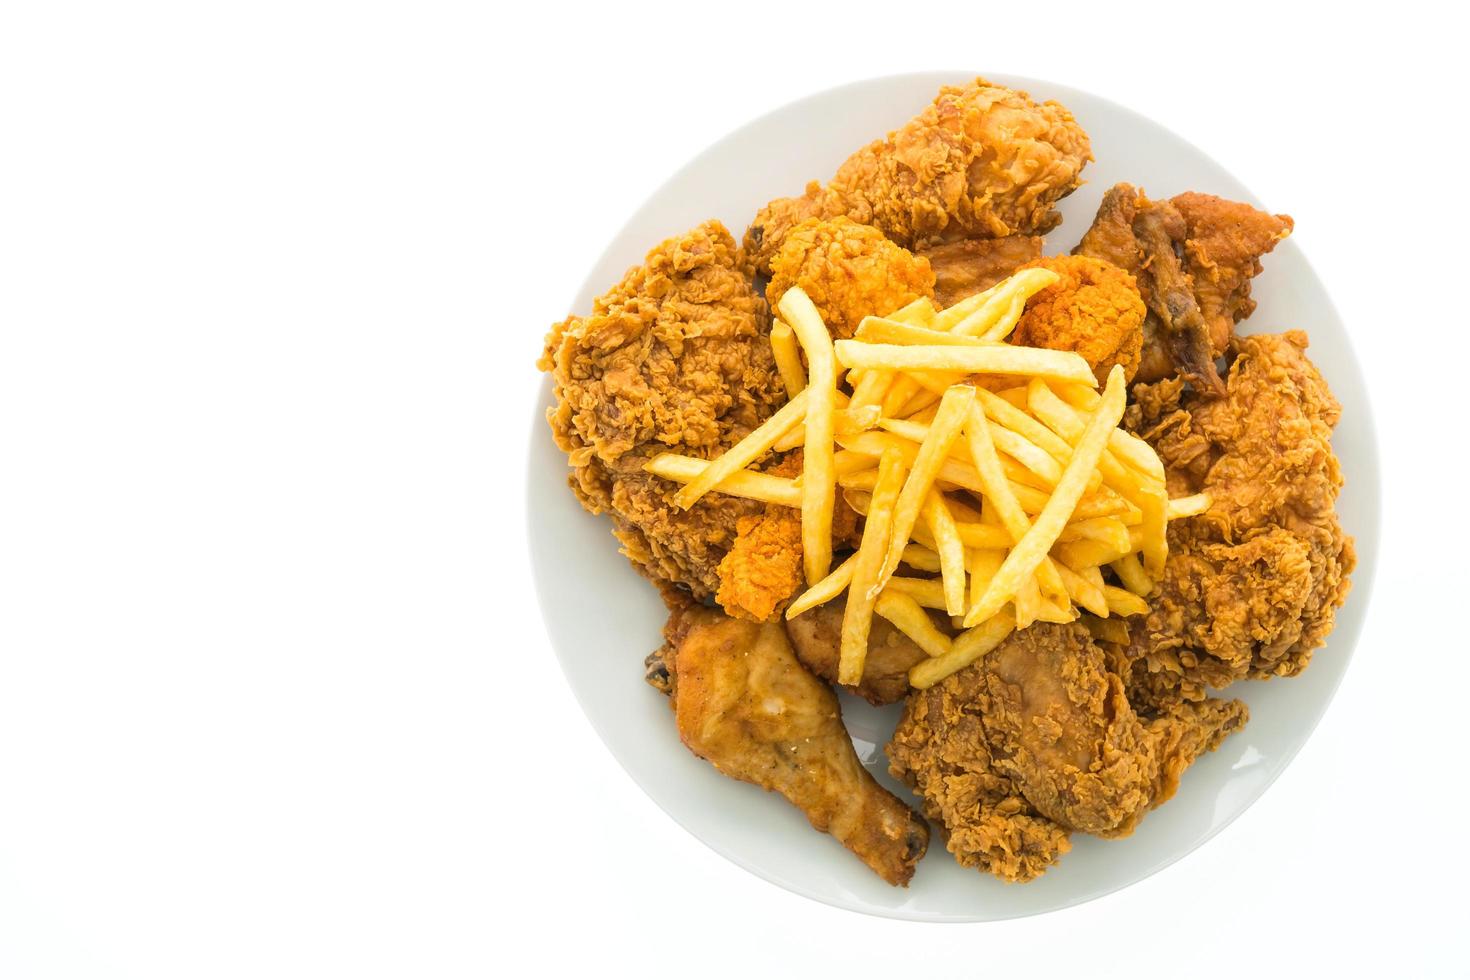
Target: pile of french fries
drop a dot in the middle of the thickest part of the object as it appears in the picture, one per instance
(995, 483)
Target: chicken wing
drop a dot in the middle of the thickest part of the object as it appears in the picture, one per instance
(674, 358)
(1194, 256)
(743, 702)
(1251, 586)
(981, 161)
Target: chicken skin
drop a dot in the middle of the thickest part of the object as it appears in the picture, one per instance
(1193, 256)
(981, 161)
(1038, 741)
(1094, 309)
(675, 358)
(1252, 585)
(849, 271)
(743, 702)
(972, 265)
(817, 636)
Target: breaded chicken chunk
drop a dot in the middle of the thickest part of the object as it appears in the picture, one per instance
(849, 270)
(1095, 309)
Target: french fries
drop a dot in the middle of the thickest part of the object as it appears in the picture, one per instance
(818, 474)
(996, 476)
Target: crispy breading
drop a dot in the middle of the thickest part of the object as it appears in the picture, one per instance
(762, 571)
(676, 358)
(1252, 585)
(849, 271)
(980, 161)
(1094, 309)
(1038, 740)
(817, 636)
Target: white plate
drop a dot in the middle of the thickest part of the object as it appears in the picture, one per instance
(604, 618)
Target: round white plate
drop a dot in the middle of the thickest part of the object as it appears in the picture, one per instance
(604, 618)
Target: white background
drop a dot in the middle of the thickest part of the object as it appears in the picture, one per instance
(275, 699)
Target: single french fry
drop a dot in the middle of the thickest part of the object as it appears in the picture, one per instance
(1084, 593)
(741, 483)
(947, 318)
(951, 551)
(744, 452)
(1027, 453)
(1108, 529)
(997, 302)
(788, 358)
(1048, 611)
(1021, 563)
(964, 650)
(933, 452)
(983, 563)
(826, 590)
(927, 592)
(898, 394)
(1121, 602)
(1027, 600)
(904, 612)
(857, 617)
(919, 557)
(859, 500)
(871, 389)
(1130, 572)
(1088, 554)
(1188, 506)
(1155, 507)
(919, 312)
(818, 476)
(1007, 321)
(880, 330)
(989, 359)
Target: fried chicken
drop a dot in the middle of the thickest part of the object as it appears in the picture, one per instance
(1094, 309)
(968, 266)
(674, 358)
(849, 271)
(761, 573)
(817, 636)
(981, 161)
(743, 702)
(1252, 585)
(1193, 256)
(1037, 741)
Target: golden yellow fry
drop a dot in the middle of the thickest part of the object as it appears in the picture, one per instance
(744, 452)
(1188, 506)
(998, 301)
(788, 358)
(1007, 322)
(1128, 447)
(826, 590)
(983, 563)
(921, 401)
(1084, 593)
(1130, 572)
(879, 330)
(964, 650)
(904, 612)
(951, 551)
(851, 421)
(927, 592)
(933, 452)
(919, 312)
(1121, 602)
(962, 510)
(956, 473)
(1055, 612)
(974, 535)
(1155, 507)
(857, 618)
(1027, 453)
(1067, 422)
(1111, 630)
(861, 480)
(1027, 602)
(1016, 419)
(1016, 396)
(1111, 530)
(1088, 554)
(989, 359)
(871, 389)
(741, 483)
(898, 394)
(818, 476)
(859, 500)
(1021, 563)
(919, 557)
(947, 318)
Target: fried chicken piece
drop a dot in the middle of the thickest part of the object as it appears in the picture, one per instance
(1094, 309)
(981, 161)
(817, 636)
(1037, 741)
(849, 271)
(674, 358)
(1251, 586)
(743, 702)
(1193, 256)
(972, 265)
(762, 572)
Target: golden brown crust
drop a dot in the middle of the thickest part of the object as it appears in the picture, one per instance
(1094, 309)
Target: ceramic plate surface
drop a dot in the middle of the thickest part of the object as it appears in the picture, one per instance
(603, 618)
